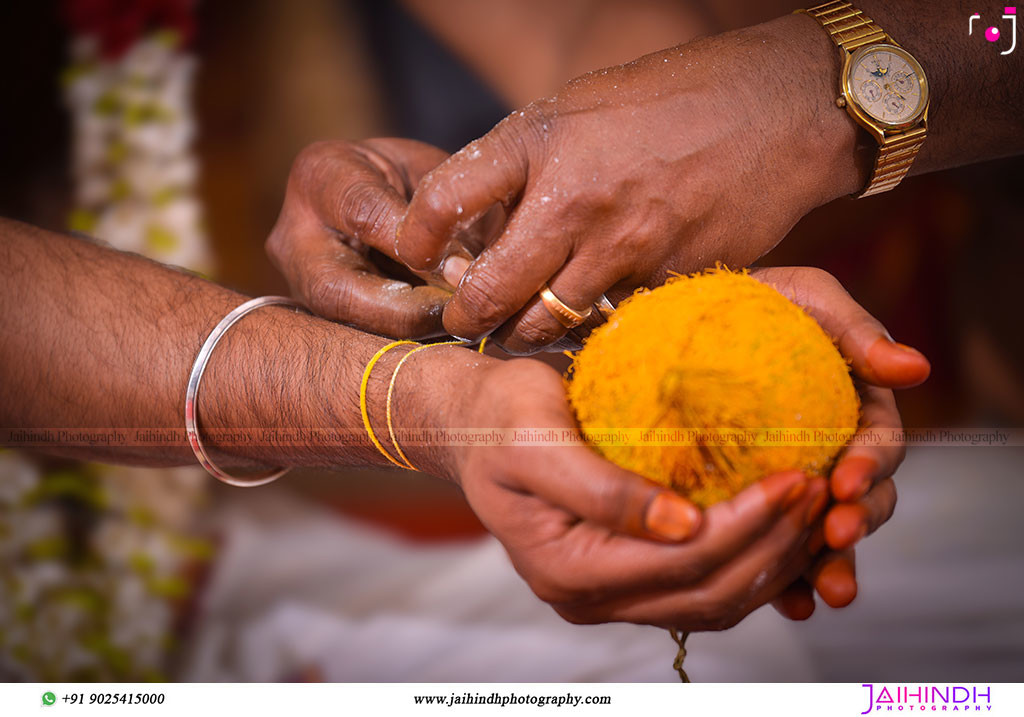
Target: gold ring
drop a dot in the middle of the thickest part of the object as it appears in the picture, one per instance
(567, 316)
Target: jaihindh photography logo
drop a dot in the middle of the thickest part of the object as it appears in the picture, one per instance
(927, 698)
(993, 33)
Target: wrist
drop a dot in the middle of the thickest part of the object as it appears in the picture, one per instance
(829, 155)
(433, 398)
(282, 389)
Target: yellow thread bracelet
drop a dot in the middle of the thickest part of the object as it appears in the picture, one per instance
(362, 398)
(363, 408)
(391, 389)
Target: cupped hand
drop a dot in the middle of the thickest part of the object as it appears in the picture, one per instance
(669, 163)
(861, 484)
(602, 544)
(336, 233)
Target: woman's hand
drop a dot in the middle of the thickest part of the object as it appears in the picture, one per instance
(602, 544)
(706, 152)
(345, 200)
(861, 482)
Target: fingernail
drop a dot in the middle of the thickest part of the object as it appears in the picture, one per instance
(794, 495)
(817, 505)
(907, 349)
(852, 477)
(898, 365)
(836, 583)
(454, 268)
(672, 518)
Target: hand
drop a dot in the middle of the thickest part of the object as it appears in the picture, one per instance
(602, 544)
(337, 228)
(861, 481)
(708, 151)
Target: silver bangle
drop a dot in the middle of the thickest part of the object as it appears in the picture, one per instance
(192, 393)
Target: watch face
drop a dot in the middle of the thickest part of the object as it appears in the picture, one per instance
(888, 84)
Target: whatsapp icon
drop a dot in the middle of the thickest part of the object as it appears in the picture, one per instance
(49, 698)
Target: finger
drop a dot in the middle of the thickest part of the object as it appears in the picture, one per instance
(731, 592)
(876, 450)
(598, 491)
(578, 284)
(342, 197)
(861, 337)
(835, 578)
(847, 523)
(588, 556)
(336, 282)
(796, 602)
(491, 170)
(415, 158)
(351, 191)
(507, 274)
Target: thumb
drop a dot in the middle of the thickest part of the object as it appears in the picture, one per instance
(492, 170)
(583, 483)
(862, 339)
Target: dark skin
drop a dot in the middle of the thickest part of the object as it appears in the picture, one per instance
(102, 340)
(627, 173)
(313, 207)
(773, 159)
(614, 220)
(609, 221)
(323, 237)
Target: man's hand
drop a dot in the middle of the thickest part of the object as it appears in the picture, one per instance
(602, 544)
(861, 481)
(345, 200)
(579, 529)
(706, 152)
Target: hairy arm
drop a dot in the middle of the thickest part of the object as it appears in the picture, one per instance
(977, 94)
(97, 340)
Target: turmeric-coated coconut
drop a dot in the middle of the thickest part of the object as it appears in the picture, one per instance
(737, 381)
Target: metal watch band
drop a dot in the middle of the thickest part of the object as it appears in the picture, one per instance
(895, 155)
(848, 27)
(851, 29)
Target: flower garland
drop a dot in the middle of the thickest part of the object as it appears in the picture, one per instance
(97, 562)
(133, 127)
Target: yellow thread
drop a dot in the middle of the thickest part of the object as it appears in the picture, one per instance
(362, 398)
(482, 344)
(391, 389)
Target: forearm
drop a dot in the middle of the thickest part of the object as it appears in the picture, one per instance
(977, 95)
(101, 340)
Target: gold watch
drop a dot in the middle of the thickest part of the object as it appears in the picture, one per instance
(884, 90)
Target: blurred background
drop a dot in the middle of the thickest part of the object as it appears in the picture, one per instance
(168, 128)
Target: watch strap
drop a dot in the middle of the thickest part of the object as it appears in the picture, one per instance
(895, 156)
(848, 27)
(851, 29)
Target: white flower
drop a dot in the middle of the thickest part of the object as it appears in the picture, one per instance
(123, 225)
(18, 477)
